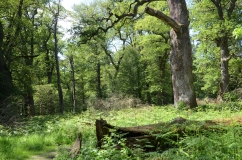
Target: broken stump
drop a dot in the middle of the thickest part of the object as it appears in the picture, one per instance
(76, 147)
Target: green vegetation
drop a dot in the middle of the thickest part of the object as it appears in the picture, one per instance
(119, 56)
(47, 133)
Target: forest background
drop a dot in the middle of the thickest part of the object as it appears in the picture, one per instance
(106, 57)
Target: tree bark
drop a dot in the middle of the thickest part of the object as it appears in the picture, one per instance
(99, 89)
(225, 57)
(181, 51)
(57, 61)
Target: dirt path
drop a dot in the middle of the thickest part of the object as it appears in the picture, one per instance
(51, 154)
(44, 156)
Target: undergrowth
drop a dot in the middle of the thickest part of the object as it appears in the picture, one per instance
(46, 133)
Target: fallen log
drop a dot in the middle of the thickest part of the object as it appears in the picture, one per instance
(160, 136)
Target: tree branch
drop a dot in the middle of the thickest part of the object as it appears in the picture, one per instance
(168, 20)
(109, 55)
(231, 7)
(217, 4)
(26, 56)
(117, 18)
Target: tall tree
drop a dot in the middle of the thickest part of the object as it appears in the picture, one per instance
(73, 82)
(181, 51)
(216, 26)
(56, 51)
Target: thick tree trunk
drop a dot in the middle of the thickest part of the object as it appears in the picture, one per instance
(181, 56)
(181, 51)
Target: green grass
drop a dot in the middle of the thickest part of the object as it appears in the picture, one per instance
(44, 133)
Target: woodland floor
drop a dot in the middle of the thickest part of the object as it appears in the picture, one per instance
(48, 155)
(44, 156)
(52, 154)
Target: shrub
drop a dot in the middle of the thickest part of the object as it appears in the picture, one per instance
(46, 99)
(115, 102)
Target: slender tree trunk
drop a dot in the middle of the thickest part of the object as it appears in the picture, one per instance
(139, 82)
(30, 60)
(84, 107)
(57, 63)
(99, 89)
(162, 67)
(49, 67)
(73, 83)
(48, 58)
(225, 57)
(147, 86)
(181, 51)
(148, 96)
